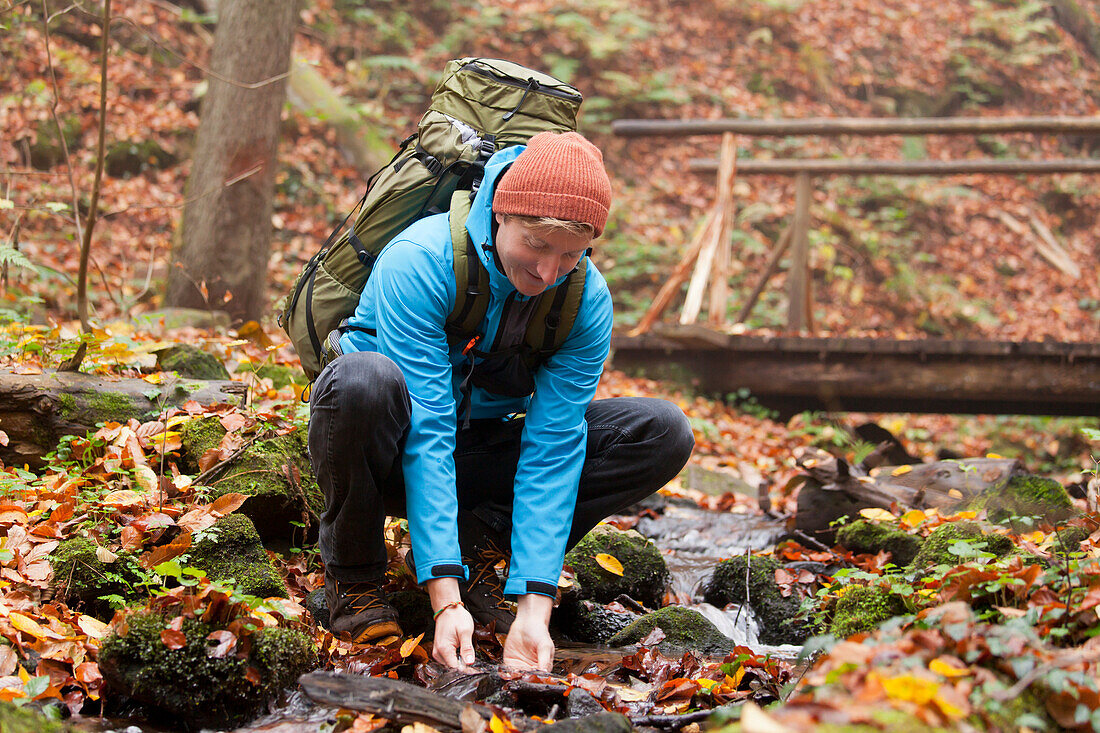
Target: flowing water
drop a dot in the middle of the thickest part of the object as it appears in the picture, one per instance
(693, 541)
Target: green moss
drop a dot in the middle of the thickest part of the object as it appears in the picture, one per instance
(645, 575)
(126, 157)
(83, 580)
(997, 715)
(774, 612)
(871, 537)
(684, 629)
(197, 437)
(25, 719)
(188, 684)
(231, 549)
(936, 549)
(1036, 496)
(190, 361)
(276, 501)
(67, 404)
(1070, 539)
(863, 608)
(106, 406)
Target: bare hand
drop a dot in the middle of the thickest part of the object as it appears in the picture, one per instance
(454, 627)
(528, 646)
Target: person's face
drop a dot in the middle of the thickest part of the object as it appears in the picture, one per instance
(534, 259)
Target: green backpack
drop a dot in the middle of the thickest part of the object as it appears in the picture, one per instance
(479, 107)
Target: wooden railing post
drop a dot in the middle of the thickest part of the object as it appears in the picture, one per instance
(799, 282)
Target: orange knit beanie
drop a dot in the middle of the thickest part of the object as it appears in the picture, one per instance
(559, 175)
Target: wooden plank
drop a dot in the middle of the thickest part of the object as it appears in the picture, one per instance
(833, 166)
(679, 274)
(792, 374)
(694, 300)
(798, 282)
(769, 270)
(856, 126)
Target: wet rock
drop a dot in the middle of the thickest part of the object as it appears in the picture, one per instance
(1027, 496)
(1070, 539)
(192, 362)
(684, 630)
(231, 550)
(275, 474)
(317, 606)
(751, 579)
(687, 528)
(46, 151)
(645, 575)
(84, 580)
(189, 685)
(863, 608)
(937, 546)
(863, 536)
(588, 621)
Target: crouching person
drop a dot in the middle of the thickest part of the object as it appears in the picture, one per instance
(494, 450)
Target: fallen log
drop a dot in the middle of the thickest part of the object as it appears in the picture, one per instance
(36, 410)
(401, 702)
(832, 489)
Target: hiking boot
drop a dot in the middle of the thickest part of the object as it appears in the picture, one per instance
(359, 611)
(482, 551)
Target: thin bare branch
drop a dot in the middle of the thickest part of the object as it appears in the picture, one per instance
(55, 103)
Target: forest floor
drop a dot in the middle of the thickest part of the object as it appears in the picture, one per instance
(904, 258)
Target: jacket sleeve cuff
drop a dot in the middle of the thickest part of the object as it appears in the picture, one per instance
(522, 586)
(442, 570)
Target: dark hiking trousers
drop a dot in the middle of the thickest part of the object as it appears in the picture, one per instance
(359, 418)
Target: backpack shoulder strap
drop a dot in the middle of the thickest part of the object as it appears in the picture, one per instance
(556, 312)
(471, 277)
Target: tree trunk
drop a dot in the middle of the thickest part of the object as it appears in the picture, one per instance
(226, 230)
(1076, 21)
(37, 410)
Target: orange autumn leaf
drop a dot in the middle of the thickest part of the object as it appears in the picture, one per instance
(901, 470)
(609, 563)
(173, 639)
(409, 645)
(29, 626)
(876, 514)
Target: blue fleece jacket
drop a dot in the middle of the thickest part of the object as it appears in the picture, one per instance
(407, 299)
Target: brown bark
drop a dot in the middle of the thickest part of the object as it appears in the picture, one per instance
(1076, 21)
(226, 228)
(37, 410)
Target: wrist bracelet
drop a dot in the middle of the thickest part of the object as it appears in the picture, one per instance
(445, 606)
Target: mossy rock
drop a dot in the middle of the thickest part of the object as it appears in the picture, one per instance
(1027, 496)
(1070, 539)
(936, 548)
(28, 719)
(187, 684)
(775, 612)
(280, 375)
(645, 575)
(231, 549)
(191, 362)
(46, 151)
(84, 581)
(871, 537)
(198, 436)
(863, 608)
(126, 158)
(277, 502)
(589, 622)
(685, 630)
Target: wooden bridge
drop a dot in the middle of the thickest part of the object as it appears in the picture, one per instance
(791, 374)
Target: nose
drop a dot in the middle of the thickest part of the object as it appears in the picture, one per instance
(548, 271)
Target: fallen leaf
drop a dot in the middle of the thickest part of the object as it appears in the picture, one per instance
(12, 513)
(409, 645)
(253, 676)
(876, 514)
(124, 499)
(609, 563)
(948, 668)
(901, 470)
(29, 626)
(88, 673)
(93, 627)
(104, 555)
(228, 503)
(3, 438)
(224, 642)
(8, 660)
(173, 639)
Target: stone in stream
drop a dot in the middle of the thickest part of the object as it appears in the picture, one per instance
(191, 686)
(863, 536)
(190, 361)
(83, 576)
(589, 622)
(1027, 496)
(751, 579)
(684, 630)
(645, 575)
(937, 546)
(863, 608)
